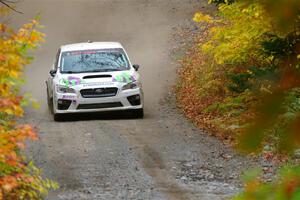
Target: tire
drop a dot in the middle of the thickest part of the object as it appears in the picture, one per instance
(138, 113)
(49, 101)
(50, 106)
(57, 117)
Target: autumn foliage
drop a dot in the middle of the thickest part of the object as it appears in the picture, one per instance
(243, 74)
(241, 81)
(19, 178)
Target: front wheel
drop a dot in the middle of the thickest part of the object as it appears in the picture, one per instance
(57, 117)
(49, 102)
(138, 113)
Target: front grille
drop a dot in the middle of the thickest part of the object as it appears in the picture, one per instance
(99, 92)
(100, 105)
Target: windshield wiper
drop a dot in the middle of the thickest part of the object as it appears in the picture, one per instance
(111, 70)
(96, 70)
(70, 72)
(102, 70)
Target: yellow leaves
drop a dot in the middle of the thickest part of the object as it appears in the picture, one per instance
(7, 111)
(14, 73)
(207, 47)
(252, 186)
(13, 58)
(245, 10)
(11, 106)
(4, 93)
(4, 10)
(15, 175)
(199, 17)
(233, 43)
(18, 111)
(27, 36)
(239, 34)
(2, 27)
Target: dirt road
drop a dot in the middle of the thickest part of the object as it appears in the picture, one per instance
(111, 157)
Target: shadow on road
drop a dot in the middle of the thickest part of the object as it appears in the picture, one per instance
(111, 115)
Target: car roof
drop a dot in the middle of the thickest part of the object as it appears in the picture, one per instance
(91, 45)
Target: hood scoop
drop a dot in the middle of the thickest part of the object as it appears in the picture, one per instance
(97, 76)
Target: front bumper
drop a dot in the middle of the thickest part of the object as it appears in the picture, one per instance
(75, 103)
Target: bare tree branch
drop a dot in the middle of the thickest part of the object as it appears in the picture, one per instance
(9, 1)
(6, 3)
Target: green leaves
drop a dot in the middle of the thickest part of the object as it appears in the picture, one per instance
(253, 48)
(285, 188)
(257, 56)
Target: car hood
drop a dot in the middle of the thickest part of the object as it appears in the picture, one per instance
(97, 78)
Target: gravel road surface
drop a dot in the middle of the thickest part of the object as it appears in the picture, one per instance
(110, 156)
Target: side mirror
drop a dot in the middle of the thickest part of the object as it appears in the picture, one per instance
(136, 67)
(52, 72)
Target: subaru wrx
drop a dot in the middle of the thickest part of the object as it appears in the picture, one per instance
(94, 77)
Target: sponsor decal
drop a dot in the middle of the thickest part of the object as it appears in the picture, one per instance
(124, 77)
(82, 52)
(71, 81)
(70, 97)
(97, 84)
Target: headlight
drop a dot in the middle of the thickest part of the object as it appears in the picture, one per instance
(64, 89)
(132, 85)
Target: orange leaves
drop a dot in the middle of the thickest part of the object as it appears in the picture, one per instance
(13, 47)
(215, 94)
(285, 12)
(14, 171)
(28, 132)
(2, 58)
(13, 139)
(11, 105)
(28, 35)
(290, 187)
(290, 183)
(199, 87)
(18, 178)
(290, 79)
(8, 183)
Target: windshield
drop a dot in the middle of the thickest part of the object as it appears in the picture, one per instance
(93, 61)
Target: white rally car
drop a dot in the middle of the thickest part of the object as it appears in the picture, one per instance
(94, 77)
